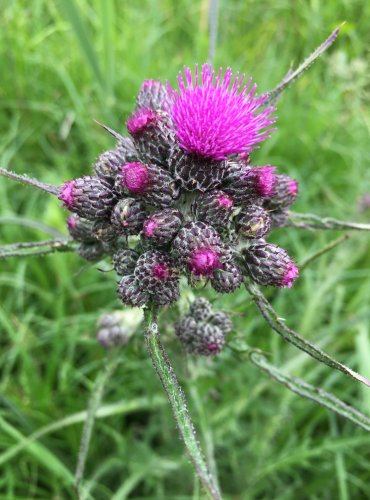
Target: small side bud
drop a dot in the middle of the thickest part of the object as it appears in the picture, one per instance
(268, 264)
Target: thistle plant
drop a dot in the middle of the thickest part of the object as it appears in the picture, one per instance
(179, 203)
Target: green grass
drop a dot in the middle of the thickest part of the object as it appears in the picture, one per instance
(66, 63)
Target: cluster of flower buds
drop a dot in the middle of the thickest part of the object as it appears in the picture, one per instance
(202, 331)
(179, 196)
(112, 330)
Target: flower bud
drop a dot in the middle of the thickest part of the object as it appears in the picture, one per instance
(151, 135)
(285, 193)
(124, 261)
(228, 279)
(128, 216)
(80, 229)
(214, 207)
(112, 331)
(268, 264)
(162, 226)
(88, 197)
(253, 222)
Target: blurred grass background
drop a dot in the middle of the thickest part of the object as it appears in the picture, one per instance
(66, 63)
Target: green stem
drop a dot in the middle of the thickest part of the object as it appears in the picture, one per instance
(323, 250)
(177, 401)
(272, 318)
(24, 179)
(308, 391)
(105, 374)
(312, 221)
(36, 248)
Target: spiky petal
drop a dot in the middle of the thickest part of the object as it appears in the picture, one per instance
(216, 115)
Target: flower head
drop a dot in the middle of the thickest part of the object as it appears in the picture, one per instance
(214, 115)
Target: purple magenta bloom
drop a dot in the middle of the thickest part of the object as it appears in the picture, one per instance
(293, 187)
(71, 222)
(140, 120)
(161, 271)
(204, 261)
(135, 177)
(66, 194)
(266, 180)
(225, 201)
(290, 275)
(214, 115)
(150, 226)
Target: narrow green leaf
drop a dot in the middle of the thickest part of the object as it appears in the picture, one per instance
(308, 391)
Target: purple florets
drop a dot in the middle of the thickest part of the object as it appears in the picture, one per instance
(215, 116)
(181, 197)
(141, 119)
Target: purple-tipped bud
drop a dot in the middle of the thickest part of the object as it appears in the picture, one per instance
(134, 177)
(150, 132)
(199, 248)
(162, 226)
(157, 276)
(246, 184)
(285, 193)
(214, 207)
(107, 164)
(194, 172)
(152, 94)
(201, 309)
(124, 261)
(130, 292)
(204, 261)
(112, 331)
(254, 222)
(202, 339)
(268, 264)
(104, 231)
(80, 229)
(128, 216)
(228, 279)
(89, 197)
(92, 252)
(215, 116)
(151, 183)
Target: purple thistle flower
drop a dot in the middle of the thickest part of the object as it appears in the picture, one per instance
(214, 115)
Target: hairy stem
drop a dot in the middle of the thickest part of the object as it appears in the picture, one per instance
(36, 248)
(323, 250)
(275, 322)
(312, 221)
(105, 374)
(308, 391)
(177, 401)
(24, 179)
(292, 75)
